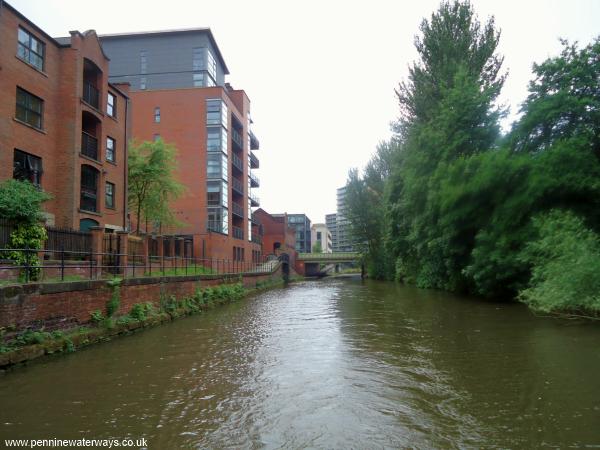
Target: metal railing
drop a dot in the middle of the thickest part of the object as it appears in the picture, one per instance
(254, 200)
(237, 162)
(106, 265)
(237, 209)
(236, 137)
(238, 233)
(254, 164)
(91, 95)
(254, 180)
(89, 145)
(237, 186)
(256, 238)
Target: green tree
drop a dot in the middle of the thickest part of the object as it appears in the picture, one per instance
(152, 182)
(21, 204)
(448, 112)
(563, 101)
(365, 210)
(317, 248)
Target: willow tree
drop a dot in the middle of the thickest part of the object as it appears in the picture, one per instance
(153, 185)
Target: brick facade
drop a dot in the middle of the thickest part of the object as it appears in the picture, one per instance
(59, 83)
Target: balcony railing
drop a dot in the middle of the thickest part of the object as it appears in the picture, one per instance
(91, 95)
(236, 137)
(216, 225)
(238, 210)
(237, 162)
(254, 180)
(254, 200)
(253, 161)
(238, 186)
(238, 233)
(89, 145)
(254, 144)
(256, 238)
(254, 220)
(88, 199)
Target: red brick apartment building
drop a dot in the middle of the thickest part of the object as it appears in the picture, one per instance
(63, 126)
(179, 94)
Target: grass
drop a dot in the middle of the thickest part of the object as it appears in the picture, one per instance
(191, 270)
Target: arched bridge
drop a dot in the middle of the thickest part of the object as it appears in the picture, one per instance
(311, 263)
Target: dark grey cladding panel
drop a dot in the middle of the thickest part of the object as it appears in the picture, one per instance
(169, 59)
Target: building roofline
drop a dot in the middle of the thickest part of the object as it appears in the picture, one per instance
(204, 30)
(25, 19)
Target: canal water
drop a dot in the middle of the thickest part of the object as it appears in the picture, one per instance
(325, 364)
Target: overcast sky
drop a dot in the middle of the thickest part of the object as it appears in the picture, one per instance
(321, 74)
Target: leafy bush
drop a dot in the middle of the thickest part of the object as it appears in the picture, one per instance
(21, 201)
(565, 261)
(97, 316)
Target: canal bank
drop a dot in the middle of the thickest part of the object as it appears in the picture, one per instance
(335, 363)
(52, 318)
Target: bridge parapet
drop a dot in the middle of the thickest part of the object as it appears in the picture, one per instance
(329, 257)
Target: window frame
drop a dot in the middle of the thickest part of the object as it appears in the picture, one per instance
(33, 175)
(112, 195)
(157, 114)
(28, 49)
(114, 150)
(112, 106)
(28, 110)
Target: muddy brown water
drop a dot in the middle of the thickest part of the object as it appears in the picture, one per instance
(337, 363)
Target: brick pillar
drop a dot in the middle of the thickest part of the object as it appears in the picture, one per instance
(97, 240)
(123, 251)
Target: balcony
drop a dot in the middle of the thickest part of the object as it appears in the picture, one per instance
(254, 144)
(216, 225)
(236, 162)
(256, 238)
(254, 200)
(236, 138)
(238, 210)
(89, 145)
(254, 220)
(91, 95)
(238, 233)
(237, 186)
(253, 161)
(254, 180)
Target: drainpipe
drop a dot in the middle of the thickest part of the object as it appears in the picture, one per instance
(125, 185)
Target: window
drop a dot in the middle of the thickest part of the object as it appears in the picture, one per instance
(318, 235)
(198, 79)
(197, 63)
(212, 65)
(29, 108)
(216, 140)
(217, 193)
(143, 83)
(216, 166)
(110, 195)
(218, 220)
(157, 115)
(216, 113)
(110, 149)
(111, 105)
(143, 61)
(30, 49)
(27, 167)
(89, 188)
(156, 137)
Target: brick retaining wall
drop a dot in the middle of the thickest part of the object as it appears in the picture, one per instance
(63, 305)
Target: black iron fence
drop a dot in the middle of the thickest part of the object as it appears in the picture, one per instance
(6, 228)
(60, 239)
(73, 265)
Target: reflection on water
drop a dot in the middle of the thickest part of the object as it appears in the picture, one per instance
(327, 364)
